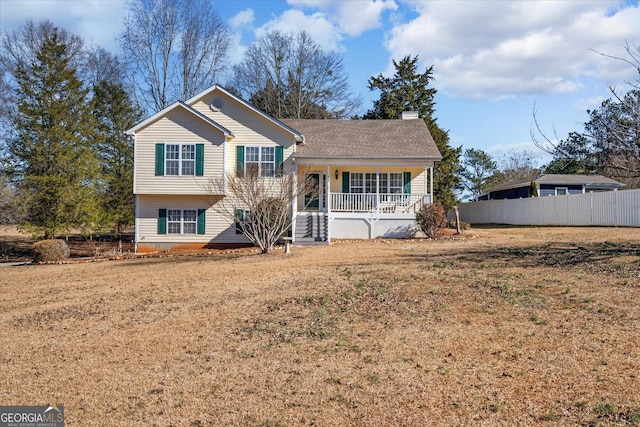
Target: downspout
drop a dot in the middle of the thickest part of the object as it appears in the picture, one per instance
(294, 203)
(224, 165)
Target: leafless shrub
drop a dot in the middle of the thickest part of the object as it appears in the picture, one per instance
(432, 220)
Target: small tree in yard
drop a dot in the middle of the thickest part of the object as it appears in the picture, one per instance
(432, 220)
(260, 207)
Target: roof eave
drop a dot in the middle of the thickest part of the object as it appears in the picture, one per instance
(155, 117)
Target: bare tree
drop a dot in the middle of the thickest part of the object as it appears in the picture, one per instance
(259, 207)
(11, 207)
(516, 165)
(289, 76)
(175, 49)
(610, 141)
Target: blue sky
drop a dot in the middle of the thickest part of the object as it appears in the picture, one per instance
(493, 60)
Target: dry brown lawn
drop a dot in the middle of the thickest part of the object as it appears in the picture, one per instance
(510, 326)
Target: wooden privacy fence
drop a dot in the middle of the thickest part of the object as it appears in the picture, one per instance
(610, 208)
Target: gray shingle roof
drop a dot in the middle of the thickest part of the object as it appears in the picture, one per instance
(577, 179)
(597, 181)
(365, 138)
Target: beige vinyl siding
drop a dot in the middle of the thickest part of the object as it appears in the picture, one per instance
(218, 229)
(248, 127)
(178, 127)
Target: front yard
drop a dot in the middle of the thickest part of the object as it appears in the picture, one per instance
(510, 326)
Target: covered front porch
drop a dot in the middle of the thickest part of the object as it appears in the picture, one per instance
(361, 201)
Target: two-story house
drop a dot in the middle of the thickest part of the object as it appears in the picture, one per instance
(372, 175)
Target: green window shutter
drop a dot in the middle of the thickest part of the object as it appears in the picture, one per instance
(201, 218)
(279, 160)
(159, 159)
(345, 182)
(162, 221)
(199, 159)
(407, 183)
(238, 221)
(240, 160)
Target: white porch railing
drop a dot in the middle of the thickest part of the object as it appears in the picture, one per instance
(382, 203)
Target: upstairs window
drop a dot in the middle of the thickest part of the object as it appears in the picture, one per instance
(264, 161)
(261, 160)
(180, 159)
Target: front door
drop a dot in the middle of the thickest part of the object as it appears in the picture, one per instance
(312, 199)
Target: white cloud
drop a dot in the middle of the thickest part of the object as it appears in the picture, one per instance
(317, 25)
(352, 17)
(502, 49)
(97, 21)
(242, 20)
(584, 104)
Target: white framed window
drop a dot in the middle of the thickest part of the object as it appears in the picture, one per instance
(356, 182)
(562, 191)
(180, 159)
(262, 160)
(182, 221)
(390, 183)
(395, 183)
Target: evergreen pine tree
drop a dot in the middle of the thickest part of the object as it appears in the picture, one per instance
(51, 149)
(409, 89)
(114, 113)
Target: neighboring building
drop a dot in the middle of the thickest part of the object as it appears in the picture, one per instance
(551, 185)
(372, 175)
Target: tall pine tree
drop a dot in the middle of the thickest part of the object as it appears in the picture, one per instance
(51, 150)
(408, 88)
(114, 113)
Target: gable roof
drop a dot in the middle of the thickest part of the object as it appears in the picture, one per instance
(365, 139)
(589, 181)
(179, 104)
(216, 87)
(227, 133)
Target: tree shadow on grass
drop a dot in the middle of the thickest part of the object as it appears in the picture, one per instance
(601, 257)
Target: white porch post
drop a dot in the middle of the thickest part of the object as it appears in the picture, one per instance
(377, 188)
(327, 195)
(431, 183)
(294, 207)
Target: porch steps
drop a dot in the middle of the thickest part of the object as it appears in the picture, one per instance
(311, 228)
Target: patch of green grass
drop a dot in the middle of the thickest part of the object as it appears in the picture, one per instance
(606, 409)
(582, 404)
(373, 377)
(551, 417)
(537, 320)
